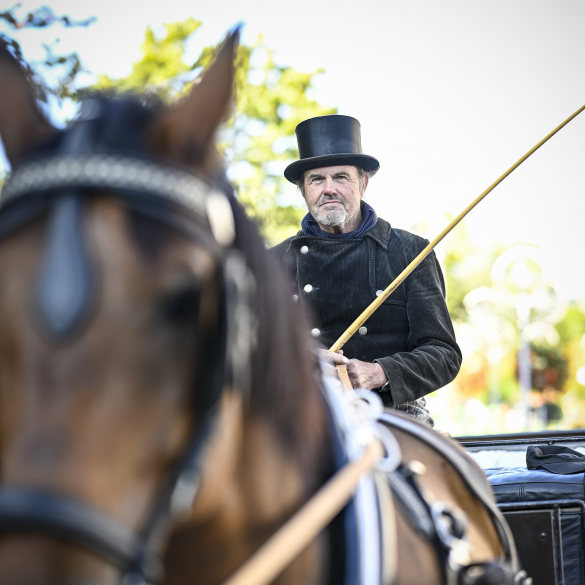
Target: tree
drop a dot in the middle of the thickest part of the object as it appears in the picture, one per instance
(271, 100)
(65, 68)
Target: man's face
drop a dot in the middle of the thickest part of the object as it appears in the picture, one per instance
(333, 195)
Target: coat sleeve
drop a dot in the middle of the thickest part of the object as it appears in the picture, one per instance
(433, 358)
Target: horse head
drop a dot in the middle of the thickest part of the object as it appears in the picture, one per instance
(128, 310)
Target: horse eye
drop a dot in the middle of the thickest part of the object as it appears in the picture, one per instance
(182, 305)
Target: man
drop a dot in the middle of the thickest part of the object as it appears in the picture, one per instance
(345, 255)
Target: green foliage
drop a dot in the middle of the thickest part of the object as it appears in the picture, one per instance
(553, 368)
(161, 69)
(258, 140)
(572, 331)
(573, 325)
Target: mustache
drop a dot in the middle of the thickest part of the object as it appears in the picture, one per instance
(328, 198)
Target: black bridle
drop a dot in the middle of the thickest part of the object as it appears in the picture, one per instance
(59, 182)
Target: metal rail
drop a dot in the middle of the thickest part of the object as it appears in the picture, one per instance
(548, 437)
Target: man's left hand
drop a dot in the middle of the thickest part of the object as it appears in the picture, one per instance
(366, 375)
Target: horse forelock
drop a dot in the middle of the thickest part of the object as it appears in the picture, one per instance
(121, 125)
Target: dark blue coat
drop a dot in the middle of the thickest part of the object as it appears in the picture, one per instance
(411, 335)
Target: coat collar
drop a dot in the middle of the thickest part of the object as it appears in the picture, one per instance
(380, 233)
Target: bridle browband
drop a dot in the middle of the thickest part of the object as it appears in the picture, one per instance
(130, 176)
(60, 183)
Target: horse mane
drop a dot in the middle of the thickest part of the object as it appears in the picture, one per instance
(285, 374)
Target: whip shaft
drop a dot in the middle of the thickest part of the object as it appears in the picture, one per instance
(367, 313)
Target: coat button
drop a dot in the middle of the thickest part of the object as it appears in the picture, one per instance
(315, 332)
(362, 330)
(295, 298)
(379, 292)
(304, 249)
(308, 288)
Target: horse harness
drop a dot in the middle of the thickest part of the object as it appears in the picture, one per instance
(58, 182)
(439, 523)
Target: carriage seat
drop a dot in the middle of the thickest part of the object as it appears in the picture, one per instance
(518, 484)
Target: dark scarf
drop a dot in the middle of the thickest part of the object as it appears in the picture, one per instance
(369, 219)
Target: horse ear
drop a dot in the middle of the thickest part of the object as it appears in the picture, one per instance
(186, 132)
(22, 126)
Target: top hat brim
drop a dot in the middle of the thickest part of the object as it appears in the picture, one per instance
(296, 169)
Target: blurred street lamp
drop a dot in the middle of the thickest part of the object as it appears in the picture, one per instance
(493, 332)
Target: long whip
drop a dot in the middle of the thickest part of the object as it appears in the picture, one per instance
(367, 313)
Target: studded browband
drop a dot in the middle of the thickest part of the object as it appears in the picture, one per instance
(117, 172)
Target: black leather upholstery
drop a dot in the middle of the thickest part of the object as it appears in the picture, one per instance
(518, 484)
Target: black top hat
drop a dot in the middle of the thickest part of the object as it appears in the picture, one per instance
(327, 141)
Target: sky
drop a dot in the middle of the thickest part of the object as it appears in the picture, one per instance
(449, 93)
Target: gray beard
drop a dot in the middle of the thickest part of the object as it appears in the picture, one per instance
(333, 218)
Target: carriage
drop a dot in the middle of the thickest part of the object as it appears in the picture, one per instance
(545, 511)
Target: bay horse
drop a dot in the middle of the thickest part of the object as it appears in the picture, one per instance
(161, 412)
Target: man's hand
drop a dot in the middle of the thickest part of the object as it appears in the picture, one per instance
(364, 375)
(336, 358)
